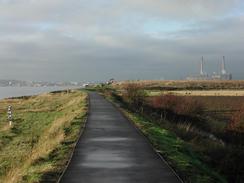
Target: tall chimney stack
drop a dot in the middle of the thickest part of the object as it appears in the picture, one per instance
(223, 71)
(201, 71)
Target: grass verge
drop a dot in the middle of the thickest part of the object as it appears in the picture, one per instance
(177, 153)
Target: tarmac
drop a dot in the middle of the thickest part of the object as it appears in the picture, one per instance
(112, 150)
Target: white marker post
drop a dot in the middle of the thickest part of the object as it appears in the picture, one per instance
(10, 115)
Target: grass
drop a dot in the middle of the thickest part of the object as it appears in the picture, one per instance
(177, 152)
(44, 132)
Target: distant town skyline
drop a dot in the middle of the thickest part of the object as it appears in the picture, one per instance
(21, 83)
(62, 40)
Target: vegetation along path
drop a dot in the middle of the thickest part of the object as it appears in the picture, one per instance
(112, 150)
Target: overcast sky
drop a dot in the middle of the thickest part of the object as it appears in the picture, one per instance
(94, 40)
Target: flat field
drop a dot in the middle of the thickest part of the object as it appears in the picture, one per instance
(186, 85)
(200, 92)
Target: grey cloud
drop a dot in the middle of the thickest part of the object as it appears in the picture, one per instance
(84, 40)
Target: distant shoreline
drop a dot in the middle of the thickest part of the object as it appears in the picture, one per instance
(20, 91)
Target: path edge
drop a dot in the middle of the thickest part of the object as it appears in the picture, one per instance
(122, 112)
(78, 139)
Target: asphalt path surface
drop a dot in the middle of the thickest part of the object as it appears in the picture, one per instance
(112, 150)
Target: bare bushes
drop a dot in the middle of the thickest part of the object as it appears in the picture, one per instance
(135, 96)
(237, 121)
(178, 105)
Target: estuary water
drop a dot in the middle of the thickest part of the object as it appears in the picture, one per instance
(6, 92)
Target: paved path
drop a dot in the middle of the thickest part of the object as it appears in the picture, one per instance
(111, 150)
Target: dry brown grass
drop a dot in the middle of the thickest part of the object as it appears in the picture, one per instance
(184, 84)
(201, 93)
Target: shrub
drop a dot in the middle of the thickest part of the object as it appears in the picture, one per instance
(237, 121)
(165, 102)
(134, 95)
(178, 105)
(189, 106)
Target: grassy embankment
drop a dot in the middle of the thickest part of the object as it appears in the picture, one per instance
(178, 153)
(44, 132)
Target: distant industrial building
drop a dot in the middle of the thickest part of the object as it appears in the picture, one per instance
(223, 75)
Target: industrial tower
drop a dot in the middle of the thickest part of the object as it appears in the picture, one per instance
(223, 74)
